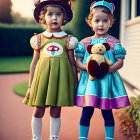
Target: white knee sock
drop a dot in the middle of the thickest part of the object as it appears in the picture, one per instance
(36, 125)
(54, 127)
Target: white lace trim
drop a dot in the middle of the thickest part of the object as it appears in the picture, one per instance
(56, 34)
(73, 42)
(34, 42)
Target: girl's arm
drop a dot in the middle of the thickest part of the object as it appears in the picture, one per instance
(32, 66)
(72, 62)
(79, 63)
(116, 66)
(32, 69)
(108, 61)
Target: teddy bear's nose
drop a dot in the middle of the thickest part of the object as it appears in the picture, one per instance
(100, 49)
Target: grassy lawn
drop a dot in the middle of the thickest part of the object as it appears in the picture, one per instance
(15, 64)
(21, 89)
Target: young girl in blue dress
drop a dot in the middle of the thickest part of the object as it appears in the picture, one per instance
(109, 92)
(53, 75)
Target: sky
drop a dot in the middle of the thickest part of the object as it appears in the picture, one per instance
(24, 7)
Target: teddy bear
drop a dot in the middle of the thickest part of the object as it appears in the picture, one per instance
(97, 63)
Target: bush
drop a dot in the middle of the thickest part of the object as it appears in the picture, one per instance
(15, 39)
(133, 111)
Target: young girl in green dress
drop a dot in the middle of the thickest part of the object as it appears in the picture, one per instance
(53, 75)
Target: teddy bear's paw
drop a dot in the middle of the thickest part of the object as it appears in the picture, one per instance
(91, 77)
(93, 68)
(110, 63)
(104, 68)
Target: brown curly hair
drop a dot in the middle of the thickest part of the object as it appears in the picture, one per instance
(42, 20)
(104, 10)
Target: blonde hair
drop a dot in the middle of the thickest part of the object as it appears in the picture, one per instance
(42, 20)
(104, 10)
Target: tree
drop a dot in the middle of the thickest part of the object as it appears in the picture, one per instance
(80, 27)
(5, 11)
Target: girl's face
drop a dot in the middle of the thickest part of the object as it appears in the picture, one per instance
(100, 23)
(54, 18)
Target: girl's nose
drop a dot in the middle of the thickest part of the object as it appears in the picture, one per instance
(101, 23)
(54, 16)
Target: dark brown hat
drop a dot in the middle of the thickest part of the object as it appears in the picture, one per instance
(65, 4)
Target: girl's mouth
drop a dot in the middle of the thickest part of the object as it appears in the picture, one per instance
(54, 23)
(100, 29)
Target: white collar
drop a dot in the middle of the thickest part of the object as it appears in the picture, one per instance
(55, 34)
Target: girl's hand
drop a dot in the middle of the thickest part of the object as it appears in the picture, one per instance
(28, 93)
(86, 67)
(116, 66)
(79, 64)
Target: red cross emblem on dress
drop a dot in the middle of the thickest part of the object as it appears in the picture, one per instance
(53, 49)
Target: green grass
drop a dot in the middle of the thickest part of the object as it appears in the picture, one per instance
(21, 89)
(15, 64)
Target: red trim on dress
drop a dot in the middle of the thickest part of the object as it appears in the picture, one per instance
(112, 41)
(86, 42)
(37, 50)
(68, 41)
(60, 37)
(46, 36)
(38, 43)
(35, 33)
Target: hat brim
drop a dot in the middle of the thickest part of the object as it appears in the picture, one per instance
(57, 3)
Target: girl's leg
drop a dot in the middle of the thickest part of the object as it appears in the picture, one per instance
(55, 122)
(36, 123)
(85, 122)
(109, 124)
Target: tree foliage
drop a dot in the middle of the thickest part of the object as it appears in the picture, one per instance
(80, 27)
(5, 11)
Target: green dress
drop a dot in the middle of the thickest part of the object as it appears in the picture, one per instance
(53, 81)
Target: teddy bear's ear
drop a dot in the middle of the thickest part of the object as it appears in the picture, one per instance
(107, 46)
(89, 48)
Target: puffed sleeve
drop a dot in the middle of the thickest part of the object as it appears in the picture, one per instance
(72, 43)
(80, 50)
(34, 42)
(119, 51)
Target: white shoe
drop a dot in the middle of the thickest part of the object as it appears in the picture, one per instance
(36, 138)
(83, 138)
(54, 138)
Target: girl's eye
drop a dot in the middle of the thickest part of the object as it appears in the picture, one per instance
(49, 14)
(105, 20)
(96, 20)
(58, 14)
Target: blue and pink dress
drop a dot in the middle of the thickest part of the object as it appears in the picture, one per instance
(108, 92)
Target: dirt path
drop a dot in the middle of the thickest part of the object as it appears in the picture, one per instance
(15, 117)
